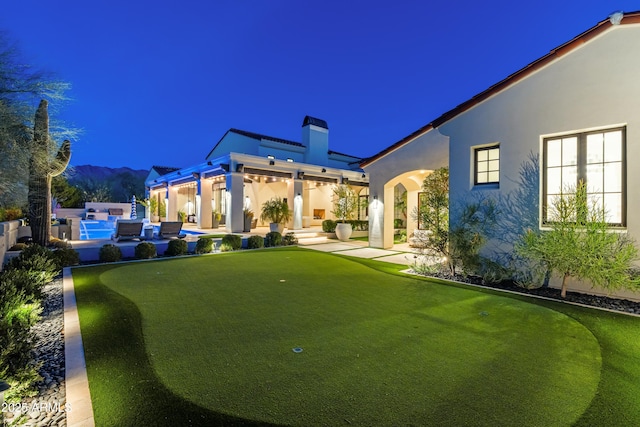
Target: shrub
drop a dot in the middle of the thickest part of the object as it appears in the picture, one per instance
(232, 240)
(18, 247)
(176, 247)
(10, 214)
(225, 247)
(145, 250)
(110, 253)
(255, 242)
(59, 243)
(204, 245)
(66, 257)
(38, 262)
(289, 239)
(18, 313)
(329, 226)
(273, 238)
(359, 225)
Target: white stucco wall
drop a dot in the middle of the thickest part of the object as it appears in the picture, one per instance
(593, 86)
(428, 151)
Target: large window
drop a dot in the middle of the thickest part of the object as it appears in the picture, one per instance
(598, 159)
(487, 165)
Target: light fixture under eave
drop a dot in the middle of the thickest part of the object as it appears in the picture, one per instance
(323, 170)
(271, 163)
(364, 176)
(271, 157)
(289, 159)
(616, 17)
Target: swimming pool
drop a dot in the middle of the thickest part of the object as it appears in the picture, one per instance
(103, 229)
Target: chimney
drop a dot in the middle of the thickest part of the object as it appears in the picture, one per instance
(315, 137)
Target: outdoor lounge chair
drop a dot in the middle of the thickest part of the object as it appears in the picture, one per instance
(170, 230)
(127, 229)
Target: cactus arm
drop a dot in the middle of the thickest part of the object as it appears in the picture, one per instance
(62, 159)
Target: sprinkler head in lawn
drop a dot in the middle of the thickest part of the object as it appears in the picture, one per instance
(297, 350)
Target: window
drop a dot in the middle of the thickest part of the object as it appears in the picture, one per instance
(598, 159)
(487, 161)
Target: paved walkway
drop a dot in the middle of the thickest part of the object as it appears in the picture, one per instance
(400, 254)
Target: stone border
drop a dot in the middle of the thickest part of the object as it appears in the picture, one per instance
(80, 413)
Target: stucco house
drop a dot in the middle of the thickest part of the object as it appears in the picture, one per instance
(245, 169)
(572, 115)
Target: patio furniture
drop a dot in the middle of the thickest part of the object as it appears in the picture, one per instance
(127, 229)
(170, 230)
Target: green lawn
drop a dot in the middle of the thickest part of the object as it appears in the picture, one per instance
(208, 340)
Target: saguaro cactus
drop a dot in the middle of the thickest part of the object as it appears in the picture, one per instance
(43, 165)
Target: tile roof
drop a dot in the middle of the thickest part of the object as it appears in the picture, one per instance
(163, 170)
(599, 28)
(259, 136)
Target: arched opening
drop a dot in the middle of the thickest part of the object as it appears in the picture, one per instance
(407, 187)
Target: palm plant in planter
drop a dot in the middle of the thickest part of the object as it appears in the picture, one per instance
(276, 211)
(345, 203)
(248, 218)
(215, 219)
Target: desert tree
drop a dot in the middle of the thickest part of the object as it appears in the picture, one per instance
(22, 87)
(580, 243)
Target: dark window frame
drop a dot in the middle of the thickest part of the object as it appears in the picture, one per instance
(582, 169)
(475, 164)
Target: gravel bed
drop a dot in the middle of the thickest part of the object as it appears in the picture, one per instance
(622, 305)
(48, 407)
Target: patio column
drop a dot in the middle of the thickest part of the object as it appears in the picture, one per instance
(203, 203)
(376, 213)
(172, 203)
(294, 195)
(235, 202)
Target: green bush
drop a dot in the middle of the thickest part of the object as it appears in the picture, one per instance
(110, 253)
(232, 240)
(18, 247)
(225, 247)
(359, 225)
(145, 250)
(176, 247)
(289, 239)
(204, 245)
(329, 226)
(273, 238)
(18, 313)
(39, 265)
(255, 242)
(66, 257)
(59, 243)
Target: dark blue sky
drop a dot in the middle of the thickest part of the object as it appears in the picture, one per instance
(159, 82)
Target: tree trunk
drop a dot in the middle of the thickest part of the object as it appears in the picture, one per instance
(563, 292)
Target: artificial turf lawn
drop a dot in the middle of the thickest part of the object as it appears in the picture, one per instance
(209, 340)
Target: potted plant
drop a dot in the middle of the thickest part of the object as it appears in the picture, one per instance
(215, 219)
(153, 209)
(162, 210)
(276, 211)
(248, 218)
(345, 203)
(182, 216)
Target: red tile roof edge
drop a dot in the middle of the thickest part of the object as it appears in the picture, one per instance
(600, 27)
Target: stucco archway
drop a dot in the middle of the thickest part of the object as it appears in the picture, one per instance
(407, 165)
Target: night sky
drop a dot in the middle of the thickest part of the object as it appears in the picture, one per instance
(160, 82)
